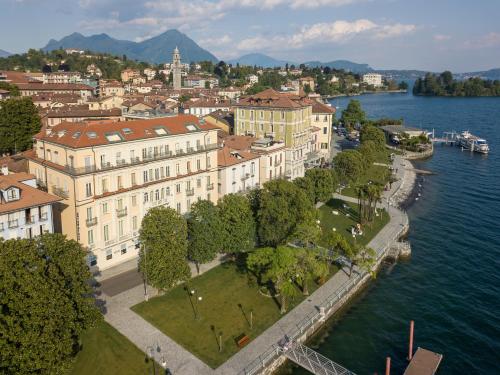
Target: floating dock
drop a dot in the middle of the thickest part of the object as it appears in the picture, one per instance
(424, 362)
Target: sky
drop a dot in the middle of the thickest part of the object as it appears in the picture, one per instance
(434, 35)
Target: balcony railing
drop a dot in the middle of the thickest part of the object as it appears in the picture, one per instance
(210, 186)
(190, 192)
(91, 222)
(120, 212)
(137, 160)
(60, 192)
(44, 216)
(13, 223)
(110, 242)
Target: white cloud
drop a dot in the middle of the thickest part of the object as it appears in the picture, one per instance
(441, 37)
(323, 33)
(223, 40)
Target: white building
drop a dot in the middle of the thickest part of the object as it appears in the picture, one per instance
(253, 79)
(238, 171)
(25, 211)
(373, 79)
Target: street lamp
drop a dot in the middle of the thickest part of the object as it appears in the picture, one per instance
(195, 305)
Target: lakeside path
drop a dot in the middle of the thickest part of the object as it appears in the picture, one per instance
(181, 362)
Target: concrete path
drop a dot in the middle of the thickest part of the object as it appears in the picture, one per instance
(181, 362)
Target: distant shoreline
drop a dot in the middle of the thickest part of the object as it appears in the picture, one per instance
(364, 93)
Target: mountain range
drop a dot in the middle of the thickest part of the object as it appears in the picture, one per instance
(4, 53)
(154, 50)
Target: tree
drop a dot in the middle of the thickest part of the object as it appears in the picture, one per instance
(19, 122)
(283, 205)
(368, 196)
(205, 233)
(403, 85)
(163, 257)
(372, 133)
(307, 186)
(324, 183)
(368, 151)
(309, 267)
(238, 224)
(12, 89)
(277, 266)
(46, 303)
(353, 114)
(307, 89)
(349, 166)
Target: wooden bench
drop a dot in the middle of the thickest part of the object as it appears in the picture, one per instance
(242, 340)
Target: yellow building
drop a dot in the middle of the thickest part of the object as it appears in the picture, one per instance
(322, 117)
(111, 173)
(281, 117)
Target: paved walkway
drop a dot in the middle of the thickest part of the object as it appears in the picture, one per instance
(181, 362)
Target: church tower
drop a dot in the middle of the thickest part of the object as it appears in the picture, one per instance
(176, 69)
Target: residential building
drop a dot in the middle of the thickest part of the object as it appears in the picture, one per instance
(112, 88)
(201, 82)
(111, 173)
(307, 81)
(204, 107)
(322, 118)
(38, 88)
(149, 73)
(271, 154)
(94, 71)
(229, 93)
(107, 102)
(129, 74)
(25, 211)
(253, 79)
(62, 77)
(238, 171)
(4, 94)
(78, 113)
(281, 117)
(373, 79)
(176, 69)
(222, 119)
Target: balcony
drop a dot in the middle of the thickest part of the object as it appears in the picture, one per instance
(60, 192)
(120, 162)
(120, 212)
(91, 222)
(44, 216)
(13, 224)
(109, 242)
(210, 186)
(190, 192)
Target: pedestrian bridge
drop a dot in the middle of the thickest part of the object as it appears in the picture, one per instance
(311, 360)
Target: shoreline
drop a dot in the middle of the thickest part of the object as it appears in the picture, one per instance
(272, 360)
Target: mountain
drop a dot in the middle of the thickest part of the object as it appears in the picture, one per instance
(341, 64)
(4, 53)
(154, 50)
(492, 74)
(258, 59)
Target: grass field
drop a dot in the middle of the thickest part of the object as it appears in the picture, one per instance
(343, 223)
(106, 351)
(376, 173)
(230, 301)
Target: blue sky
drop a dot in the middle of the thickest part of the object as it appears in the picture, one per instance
(460, 35)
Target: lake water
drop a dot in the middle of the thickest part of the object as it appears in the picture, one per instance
(451, 284)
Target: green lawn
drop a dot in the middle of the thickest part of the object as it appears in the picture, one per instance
(376, 173)
(106, 351)
(228, 296)
(343, 223)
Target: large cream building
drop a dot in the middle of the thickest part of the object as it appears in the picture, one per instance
(281, 117)
(111, 173)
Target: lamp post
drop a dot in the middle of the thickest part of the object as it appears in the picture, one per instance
(192, 292)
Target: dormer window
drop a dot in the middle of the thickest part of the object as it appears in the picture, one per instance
(12, 194)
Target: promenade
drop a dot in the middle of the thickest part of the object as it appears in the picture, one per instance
(181, 362)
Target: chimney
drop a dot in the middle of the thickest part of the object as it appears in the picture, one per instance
(5, 170)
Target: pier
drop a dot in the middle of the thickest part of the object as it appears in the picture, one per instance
(424, 362)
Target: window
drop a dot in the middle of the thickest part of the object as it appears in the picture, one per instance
(208, 162)
(189, 167)
(132, 179)
(178, 208)
(178, 188)
(119, 203)
(91, 260)
(120, 228)
(105, 208)
(146, 197)
(145, 176)
(90, 237)
(119, 182)
(252, 168)
(150, 175)
(325, 130)
(12, 194)
(177, 169)
(49, 155)
(157, 195)
(109, 254)
(106, 232)
(271, 161)
(157, 174)
(167, 171)
(123, 249)
(261, 114)
(89, 213)
(198, 182)
(134, 200)
(88, 189)
(134, 223)
(282, 115)
(198, 164)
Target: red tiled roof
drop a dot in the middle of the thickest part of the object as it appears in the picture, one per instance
(39, 86)
(29, 196)
(86, 134)
(272, 99)
(227, 156)
(321, 108)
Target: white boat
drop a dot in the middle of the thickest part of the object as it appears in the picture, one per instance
(468, 141)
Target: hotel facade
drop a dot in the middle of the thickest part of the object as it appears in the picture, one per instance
(110, 174)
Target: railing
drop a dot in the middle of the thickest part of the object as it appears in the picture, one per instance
(92, 221)
(60, 192)
(110, 242)
(190, 192)
(120, 212)
(137, 160)
(210, 186)
(13, 223)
